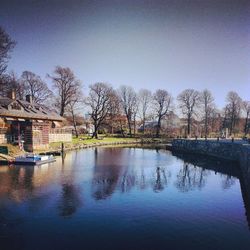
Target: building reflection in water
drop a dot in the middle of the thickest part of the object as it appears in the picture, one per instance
(16, 182)
(37, 185)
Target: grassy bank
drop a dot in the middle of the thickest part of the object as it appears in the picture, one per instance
(12, 150)
(84, 142)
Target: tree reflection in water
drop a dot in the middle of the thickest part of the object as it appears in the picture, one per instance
(156, 194)
(106, 172)
(158, 183)
(227, 181)
(17, 182)
(161, 178)
(114, 169)
(70, 199)
(113, 172)
(191, 177)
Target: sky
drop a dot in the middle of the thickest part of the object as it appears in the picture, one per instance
(170, 45)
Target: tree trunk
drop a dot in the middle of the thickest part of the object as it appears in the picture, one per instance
(189, 125)
(134, 127)
(246, 126)
(143, 126)
(74, 123)
(143, 122)
(121, 128)
(231, 128)
(95, 134)
(62, 111)
(206, 126)
(158, 128)
(129, 127)
(232, 122)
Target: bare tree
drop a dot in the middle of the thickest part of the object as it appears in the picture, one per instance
(114, 111)
(17, 84)
(188, 101)
(7, 83)
(145, 98)
(128, 101)
(6, 46)
(215, 120)
(99, 100)
(66, 86)
(74, 106)
(12, 82)
(33, 85)
(232, 110)
(135, 109)
(246, 109)
(162, 104)
(207, 102)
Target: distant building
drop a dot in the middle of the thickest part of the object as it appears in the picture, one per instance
(87, 128)
(170, 125)
(31, 125)
(150, 126)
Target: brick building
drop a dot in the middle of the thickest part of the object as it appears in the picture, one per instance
(29, 124)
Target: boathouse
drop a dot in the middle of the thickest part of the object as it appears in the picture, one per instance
(28, 124)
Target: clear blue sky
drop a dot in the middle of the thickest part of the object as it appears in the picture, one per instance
(146, 44)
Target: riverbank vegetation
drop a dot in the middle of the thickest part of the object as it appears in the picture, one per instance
(85, 142)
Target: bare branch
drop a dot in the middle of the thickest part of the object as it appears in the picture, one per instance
(188, 102)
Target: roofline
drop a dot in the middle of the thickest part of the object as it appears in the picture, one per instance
(33, 118)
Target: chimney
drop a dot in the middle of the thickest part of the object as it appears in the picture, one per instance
(29, 98)
(12, 94)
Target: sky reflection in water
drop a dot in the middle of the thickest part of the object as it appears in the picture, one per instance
(123, 198)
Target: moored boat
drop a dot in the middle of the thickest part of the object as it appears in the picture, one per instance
(33, 159)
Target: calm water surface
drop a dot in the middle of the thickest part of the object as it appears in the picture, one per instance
(123, 198)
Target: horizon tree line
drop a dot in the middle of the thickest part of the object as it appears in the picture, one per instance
(106, 103)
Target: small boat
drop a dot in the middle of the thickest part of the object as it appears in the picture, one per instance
(32, 159)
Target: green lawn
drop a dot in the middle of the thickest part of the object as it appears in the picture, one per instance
(84, 140)
(101, 139)
(91, 141)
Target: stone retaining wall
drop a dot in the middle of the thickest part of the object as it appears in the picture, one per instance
(244, 159)
(234, 151)
(238, 151)
(225, 150)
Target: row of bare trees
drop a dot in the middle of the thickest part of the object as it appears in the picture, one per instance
(200, 105)
(104, 101)
(106, 104)
(145, 106)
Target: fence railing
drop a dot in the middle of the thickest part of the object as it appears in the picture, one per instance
(60, 131)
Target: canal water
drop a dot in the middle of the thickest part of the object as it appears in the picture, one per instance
(124, 198)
